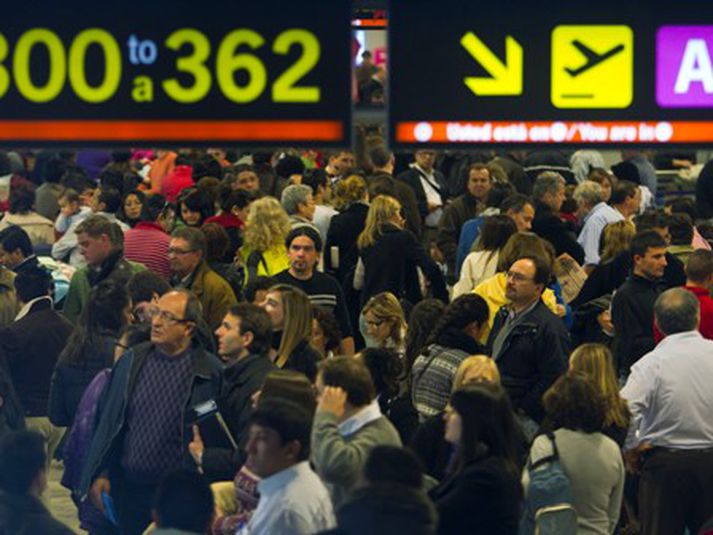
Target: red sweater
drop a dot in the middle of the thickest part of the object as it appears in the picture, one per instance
(226, 220)
(147, 243)
(706, 325)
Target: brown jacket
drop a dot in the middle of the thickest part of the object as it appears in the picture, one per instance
(214, 293)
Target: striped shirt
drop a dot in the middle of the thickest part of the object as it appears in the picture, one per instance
(324, 292)
(433, 373)
(147, 243)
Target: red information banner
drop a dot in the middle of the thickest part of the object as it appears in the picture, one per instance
(535, 132)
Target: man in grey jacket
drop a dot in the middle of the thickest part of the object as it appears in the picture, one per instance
(348, 424)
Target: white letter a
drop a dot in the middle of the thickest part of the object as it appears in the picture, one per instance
(695, 67)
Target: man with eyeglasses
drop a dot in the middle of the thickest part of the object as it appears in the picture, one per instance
(186, 252)
(143, 427)
(529, 343)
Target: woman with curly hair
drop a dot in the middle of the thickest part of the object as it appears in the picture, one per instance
(421, 321)
(325, 333)
(351, 199)
(264, 251)
(591, 461)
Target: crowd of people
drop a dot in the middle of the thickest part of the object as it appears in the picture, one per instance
(299, 342)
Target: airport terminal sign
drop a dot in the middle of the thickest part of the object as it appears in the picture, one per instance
(514, 72)
(185, 72)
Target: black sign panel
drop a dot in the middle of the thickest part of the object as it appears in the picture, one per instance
(213, 71)
(515, 72)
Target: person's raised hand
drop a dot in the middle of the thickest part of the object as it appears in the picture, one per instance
(333, 400)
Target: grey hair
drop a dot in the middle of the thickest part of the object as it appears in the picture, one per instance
(547, 182)
(294, 195)
(676, 311)
(588, 193)
(193, 236)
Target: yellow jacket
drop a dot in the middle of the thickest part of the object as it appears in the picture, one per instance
(275, 260)
(493, 291)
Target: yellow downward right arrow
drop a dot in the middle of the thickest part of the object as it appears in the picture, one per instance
(505, 78)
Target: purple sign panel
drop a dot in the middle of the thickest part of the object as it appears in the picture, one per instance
(684, 69)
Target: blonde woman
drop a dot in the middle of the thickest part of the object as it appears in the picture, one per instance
(389, 256)
(596, 362)
(263, 250)
(291, 314)
(616, 238)
(351, 199)
(476, 369)
(614, 264)
(384, 322)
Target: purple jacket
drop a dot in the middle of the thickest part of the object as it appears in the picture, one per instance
(77, 445)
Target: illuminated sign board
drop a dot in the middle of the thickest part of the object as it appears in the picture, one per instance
(529, 73)
(264, 72)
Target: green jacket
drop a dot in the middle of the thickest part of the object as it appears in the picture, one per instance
(339, 460)
(115, 268)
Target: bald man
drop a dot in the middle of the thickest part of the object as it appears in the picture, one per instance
(143, 432)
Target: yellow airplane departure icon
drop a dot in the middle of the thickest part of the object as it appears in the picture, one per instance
(592, 67)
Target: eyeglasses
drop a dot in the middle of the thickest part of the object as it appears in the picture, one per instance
(163, 315)
(518, 277)
(174, 251)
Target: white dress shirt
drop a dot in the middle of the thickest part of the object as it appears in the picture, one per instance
(433, 196)
(368, 414)
(670, 394)
(590, 235)
(292, 502)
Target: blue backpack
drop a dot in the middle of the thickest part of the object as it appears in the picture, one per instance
(549, 506)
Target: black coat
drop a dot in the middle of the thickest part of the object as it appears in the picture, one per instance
(11, 417)
(632, 313)
(413, 179)
(532, 357)
(31, 346)
(22, 514)
(385, 184)
(70, 379)
(402, 414)
(704, 191)
(430, 446)
(482, 498)
(387, 509)
(390, 266)
(609, 276)
(304, 359)
(242, 380)
(344, 229)
(549, 226)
